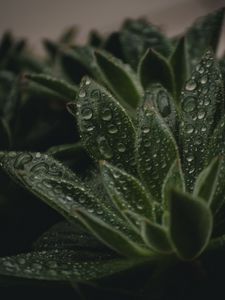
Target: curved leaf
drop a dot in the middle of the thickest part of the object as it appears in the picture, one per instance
(179, 63)
(173, 179)
(190, 224)
(111, 236)
(207, 181)
(156, 151)
(155, 68)
(205, 33)
(106, 130)
(201, 108)
(120, 79)
(61, 265)
(59, 86)
(156, 237)
(137, 36)
(126, 191)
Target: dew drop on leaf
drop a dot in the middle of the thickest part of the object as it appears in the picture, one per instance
(190, 85)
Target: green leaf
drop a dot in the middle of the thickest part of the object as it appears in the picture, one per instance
(179, 63)
(173, 179)
(120, 79)
(156, 237)
(201, 109)
(207, 181)
(137, 36)
(126, 191)
(205, 33)
(157, 96)
(78, 62)
(106, 130)
(190, 224)
(66, 236)
(111, 236)
(59, 86)
(59, 187)
(61, 265)
(156, 151)
(155, 68)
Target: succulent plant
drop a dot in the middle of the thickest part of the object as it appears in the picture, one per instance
(155, 129)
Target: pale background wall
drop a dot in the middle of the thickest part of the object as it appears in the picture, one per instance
(36, 19)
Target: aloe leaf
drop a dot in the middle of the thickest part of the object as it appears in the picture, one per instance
(179, 63)
(207, 181)
(48, 179)
(64, 235)
(106, 130)
(205, 33)
(95, 39)
(137, 36)
(120, 78)
(156, 151)
(61, 87)
(156, 237)
(158, 97)
(59, 187)
(61, 265)
(78, 62)
(125, 190)
(155, 68)
(173, 179)
(201, 108)
(190, 224)
(111, 236)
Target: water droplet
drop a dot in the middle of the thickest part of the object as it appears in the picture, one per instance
(121, 147)
(106, 114)
(104, 148)
(87, 113)
(189, 104)
(112, 129)
(190, 158)
(189, 129)
(207, 102)
(201, 114)
(190, 85)
(204, 79)
(82, 93)
(163, 104)
(146, 129)
(87, 81)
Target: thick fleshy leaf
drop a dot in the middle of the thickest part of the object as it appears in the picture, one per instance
(156, 237)
(61, 265)
(156, 151)
(158, 97)
(207, 181)
(78, 62)
(190, 224)
(216, 147)
(120, 79)
(59, 86)
(66, 236)
(59, 187)
(179, 63)
(106, 130)
(137, 36)
(111, 236)
(174, 179)
(205, 33)
(155, 68)
(126, 191)
(201, 108)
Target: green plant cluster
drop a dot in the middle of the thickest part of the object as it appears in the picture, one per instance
(142, 184)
